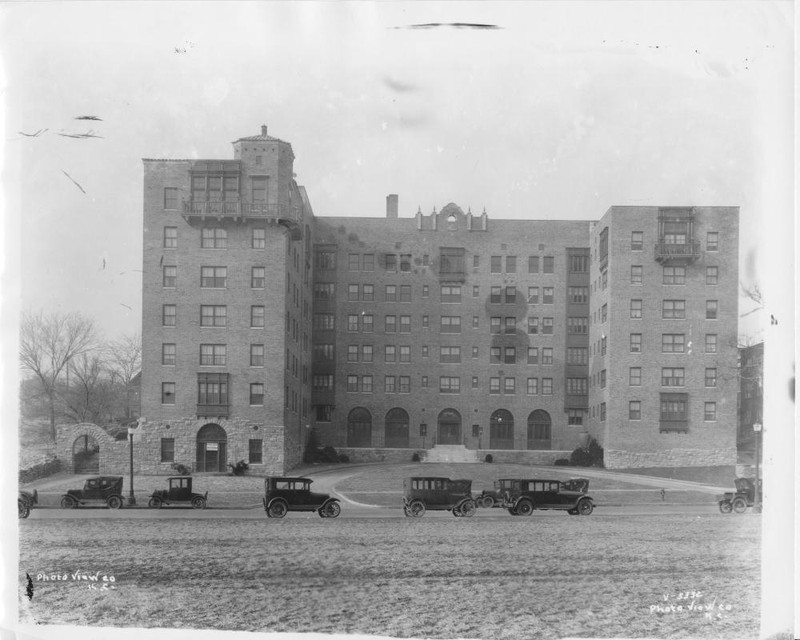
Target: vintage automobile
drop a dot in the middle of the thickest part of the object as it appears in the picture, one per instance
(26, 500)
(743, 497)
(524, 496)
(98, 490)
(180, 491)
(294, 494)
(497, 496)
(437, 494)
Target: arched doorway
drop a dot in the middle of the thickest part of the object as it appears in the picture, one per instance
(86, 455)
(501, 430)
(449, 431)
(397, 429)
(539, 424)
(359, 428)
(212, 444)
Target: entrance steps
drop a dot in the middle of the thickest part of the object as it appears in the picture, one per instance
(450, 453)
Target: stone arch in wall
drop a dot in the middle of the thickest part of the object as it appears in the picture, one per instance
(359, 428)
(212, 449)
(87, 444)
(449, 427)
(397, 429)
(86, 454)
(539, 430)
(501, 430)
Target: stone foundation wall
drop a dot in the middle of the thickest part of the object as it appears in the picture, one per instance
(669, 458)
(498, 455)
(394, 456)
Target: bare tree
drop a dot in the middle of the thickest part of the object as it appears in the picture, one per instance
(90, 395)
(48, 343)
(125, 363)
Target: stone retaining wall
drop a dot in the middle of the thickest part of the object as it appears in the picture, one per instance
(669, 458)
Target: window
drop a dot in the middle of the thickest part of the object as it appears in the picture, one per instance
(547, 326)
(405, 293)
(170, 198)
(510, 355)
(603, 379)
(533, 295)
(451, 261)
(711, 376)
(635, 376)
(168, 315)
(389, 384)
(424, 381)
(494, 324)
(354, 262)
(636, 343)
(476, 322)
(476, 291)
(577, 325)
(368, 293)
(170, 277)
(367, 322)
(324, 291)
(405, 353)
(636, 308)
(711, 309)
(711, 343)
(547, 295)
(712, 241)
(213, 354)
(547, 386)
(533, 264)
(636, 241)
(259, 240)
(405, 262)
(578, 263)
(170, 237)
(425, 322)
(603, 343)
(404, 384)
(256, 355)
(636, 274)
(575, 417)
(323, 352)
(390, 293)
(405, 324)
(325, 321)
(577, 355)
(258, 277)
(215, 238)
(167, 393)
(532, 386)
(352, 292)
(602, 412)
(511, 264)
(352, 322)
(604, 313)
(450, 354)
(257, 316)
(710, 412)
(451, 293)
(323, 382)
(389, 353)
(213, 277)
(547, 355)
(673, 309)
(352, 353)
(476, 261)
(258, 188)
(511, 324)
(391, 262)
(474, 352)
(578, 295)
(495, 355)
(167, 449)
(254, 448)
(635, 410)
(548, 264)
(674, 414)
(674, 275)
(256, 394)
(509, 385)
(496, 264)
(494, 385)
(325, 260)
(450, 324)
(712, 275)
(368, 262)
(390, 324)
(672, 377)
(449, 384)
(324, 412)
(533, 355)
(366, 353)
(577, 386)
(673, 343)
(366, 384)
(168, 353)
(496, 295)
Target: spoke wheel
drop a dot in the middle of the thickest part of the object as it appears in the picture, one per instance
(332, 510)
(23, 510)
(277, 509)
(487, 502)
(739, 505)
(585, 507)
(725, 506)
(68, 503)
(417, 508)
(524, 508)
(468, 508)
(198, 503)
(154, 503)
(114, 502)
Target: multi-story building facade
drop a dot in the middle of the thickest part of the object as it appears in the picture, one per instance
(393, 334)
(751, 397)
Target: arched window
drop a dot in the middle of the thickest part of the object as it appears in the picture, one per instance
(449, 427)
(397, 429)
(501, 430)
(359, 428)
(539, 424)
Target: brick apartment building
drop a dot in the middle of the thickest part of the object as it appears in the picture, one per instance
(394, 334)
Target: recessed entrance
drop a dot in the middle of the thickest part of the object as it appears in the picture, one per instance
(449, 427)
(86, 455)
(212, 445)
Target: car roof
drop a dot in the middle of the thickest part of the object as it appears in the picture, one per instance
(179, 477)
(429, 478)
(115, 478)
(290, 478)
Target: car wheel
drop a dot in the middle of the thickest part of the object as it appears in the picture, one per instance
(406, 511)
(512, 511)
(198, 503)
(417, 508)
(585, 507)
(114, 502)
(725, 506)
(154, 503)
(457, 511)
(331, 510)
(468, 509)
(23, 510)
(68, 503)
(524, 508)
(277, 509)
(739, 505)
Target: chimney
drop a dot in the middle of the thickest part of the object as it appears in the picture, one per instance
(264, 130)
(391, 205)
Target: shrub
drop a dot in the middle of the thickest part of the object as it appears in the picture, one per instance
(182, 469)
(488, 458)
(596, 453)
(343, 457)
(415, 457)
(239, 468)
(589, 456)
(562, 462)
(312, 447)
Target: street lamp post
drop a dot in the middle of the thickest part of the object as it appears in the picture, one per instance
(757, 497)
(131, 432)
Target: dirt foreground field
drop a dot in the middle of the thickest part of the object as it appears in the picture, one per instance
(664, 576)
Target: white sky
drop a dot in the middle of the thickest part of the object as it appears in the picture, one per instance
(566, 109)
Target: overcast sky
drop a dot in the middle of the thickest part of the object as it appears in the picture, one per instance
(559, 112)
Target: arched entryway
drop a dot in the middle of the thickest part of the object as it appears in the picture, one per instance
(501, 430)
(449, 431)
(539, 427)
(397, 428)
(359, 428)
(212, 445)
(86, 455)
